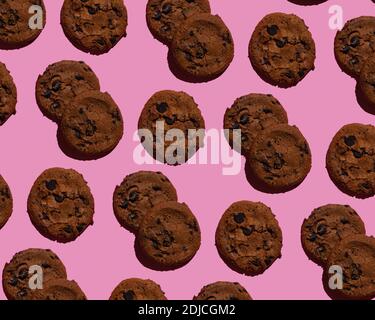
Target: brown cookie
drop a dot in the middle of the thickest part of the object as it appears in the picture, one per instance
(202, 48)
(279, 160)
(169, 236)
(60, 204)
(8, 94)
(138, 193)
(356, 256)
(171, 110)
(94, 26)
(137, 289)
(15, 31)
(60, 84)
(252, 114)
(16, 273)
(248, 237)
(354, 44)
(6, 202)
(350, 160)
(307, 2)
(91, 127)
(223, 291)
(366, 85)
(326, 227)
(164, 17)
(60, 289)
(282, 50)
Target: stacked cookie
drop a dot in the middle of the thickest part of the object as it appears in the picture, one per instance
(90, 123)
(41, 268)
(200, 44)
(278, 157)
(334, 237)
(167, 232)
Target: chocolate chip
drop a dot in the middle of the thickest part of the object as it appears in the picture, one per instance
(301, 73)
(344, 221)
(345, 49)
(357, 154)
(350, 141)
(247, 231)
(13, 282)
(321, 249)
(68, 229)
(157, 15)
(354, 41)
(244, 119)
(59, 198)
(162, 107)
(239, 217)
(47, 93)
(312, 237)
(133, 196)
(55, 105)
(170, 121)
(354, 61)
(124, 204)
(56, 86)
(235, 125)
(51, 185)
(272, 30)
(23, 273)
(79, 77)
(91, 10)
(22, 293)
(167, 8)
(133, 215)
(322, 229)
(281, 43)
(80, 227)
(267, 111)
(129, 295)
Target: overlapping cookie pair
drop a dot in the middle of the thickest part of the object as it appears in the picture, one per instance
(334, 236)
(90, 124)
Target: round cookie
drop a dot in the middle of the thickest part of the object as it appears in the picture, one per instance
(94, 26)
(60, 83)
(60, 204)
(16, 273)
(248, 237)
(6, 202)
(326, 227)
(202, 48)
(279, 160)
(354, 44)
(223, 291)
(356, 256)
(15, 31)
(138, 193)
(282, 50)
(169, 236)
(60, 289)
(91, 127)
(137, 289)
(173, 110)
(366, 83)
(164, 17)
(252, 114)
(8, 95)
(350, 160)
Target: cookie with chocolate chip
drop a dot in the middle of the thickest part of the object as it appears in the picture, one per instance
(8, 95)
(171, 127)
(169, 236)
(94, 26)
(202, 48)
(326, 227)
(248, 237)
(252, 114)
(164, 17)
(59, 289)
(60, 83)
(366, 84)
(15, 17)
(355, 256)
(282, 50)
(354, 44)
(137, 289)
(350, 160)
(16, 273)
(279, 160)
(6, 202)
(223, 291)
(60, 204)
(91, 126)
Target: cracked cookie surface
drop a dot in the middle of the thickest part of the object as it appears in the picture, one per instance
(6, 202)
(137, 289)
(8, 95)
(60, 204)
(223, 291)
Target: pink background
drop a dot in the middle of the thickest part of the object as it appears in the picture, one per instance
(136, 68)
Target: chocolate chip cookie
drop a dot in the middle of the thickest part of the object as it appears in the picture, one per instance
(183, 124)
(366, 84)
(60, 84)
(202, 48)
(16, 273)
(350, 160)
(279, 160)
(137, 289)
(94, 26)
(248, 237)
(6, 202)
(8, 95)
(91, 127)
(60, 204)
(356, 256)
(60, 289)
(15, 17)
(138, 193)
(169, 236)
(223, 291)
(252, 114)
(326, 227)
(354, 44)
(282, 50)
(164, 17)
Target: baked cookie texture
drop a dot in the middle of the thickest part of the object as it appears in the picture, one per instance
(137, 289)
(222, 290)
(60, 289)
(8, 94)
(6, 202)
